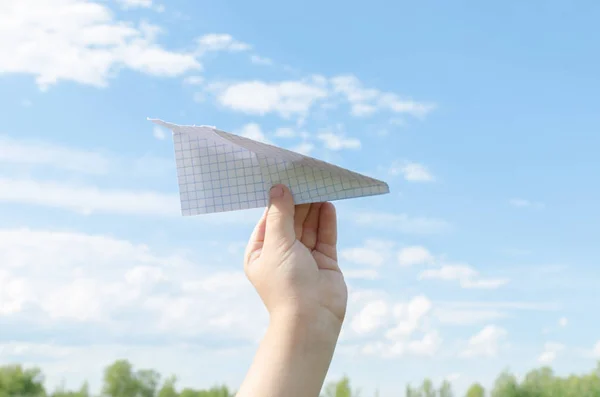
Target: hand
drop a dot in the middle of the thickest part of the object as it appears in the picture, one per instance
(291, 260)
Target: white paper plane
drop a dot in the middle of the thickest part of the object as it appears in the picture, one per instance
(218, 171)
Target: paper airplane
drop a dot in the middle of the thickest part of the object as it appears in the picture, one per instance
(218, 171)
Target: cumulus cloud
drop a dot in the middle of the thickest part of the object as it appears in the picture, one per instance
(466, 316)
(258, 60)
(220, 42)
(193, 80)
(367, 101)
(304, 148)
(372, 252)
(135, 3)
(285, 132)
(253, 131)
(337, 141)
(464, 274)
(428, 345)
(298, 97)
(80, 41)
(409, 317)
(287, 98)
(486, 343)
(405, 325)
(371, 317)
(551, 351)
(94, 278)
(411, 171)
(414, 255)
(361, 274)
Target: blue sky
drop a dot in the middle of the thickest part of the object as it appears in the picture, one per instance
(482, 118)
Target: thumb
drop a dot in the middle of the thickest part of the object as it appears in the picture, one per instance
(280, 218)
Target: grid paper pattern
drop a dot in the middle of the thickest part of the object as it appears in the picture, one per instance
(218, 171)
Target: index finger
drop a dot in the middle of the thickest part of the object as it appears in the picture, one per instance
(327, 233)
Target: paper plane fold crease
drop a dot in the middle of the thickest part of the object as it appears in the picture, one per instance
(218, 171)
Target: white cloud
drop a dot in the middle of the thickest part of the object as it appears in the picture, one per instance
(159, 133)
(563, 322)
(361, 109)
(258, 60)
(135, 3)
(485, 343)
(449, 272)
(335, 141)
(400, 222)
(414, 255)
(194, 80)
(95, 277)
(25, 157)
(38, 153)
(304, 148)
(455, 316)
(409, 333)
(286, 98)
(363, 256)
(475, 312)
(253, 131)
(285, 132)
(428, 345)
(80, 41)
(481, 283)
(87, 199)
(361, 274)
(551, 350)
(466, 275)
(220, 42)
(372, 252)
(413, 172)
(409, 317)
(297, 97)
(367, 101)
(523, 203)
(370, 318)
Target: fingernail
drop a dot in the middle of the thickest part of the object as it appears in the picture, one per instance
(276, 191)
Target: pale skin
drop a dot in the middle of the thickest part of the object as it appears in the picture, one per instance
(291, 259)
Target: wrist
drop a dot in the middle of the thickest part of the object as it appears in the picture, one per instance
(314, 328)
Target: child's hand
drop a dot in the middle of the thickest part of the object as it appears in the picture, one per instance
(291, 260)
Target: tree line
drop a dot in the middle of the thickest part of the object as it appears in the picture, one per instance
(122, 380)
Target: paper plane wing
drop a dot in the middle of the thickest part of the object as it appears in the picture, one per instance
(218, 171)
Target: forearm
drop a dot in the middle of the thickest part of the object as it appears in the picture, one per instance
(292, 359)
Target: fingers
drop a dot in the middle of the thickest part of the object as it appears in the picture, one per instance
(311, 226)
(279, 231)
(327, 231)
(257, 237)
(299, 218)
